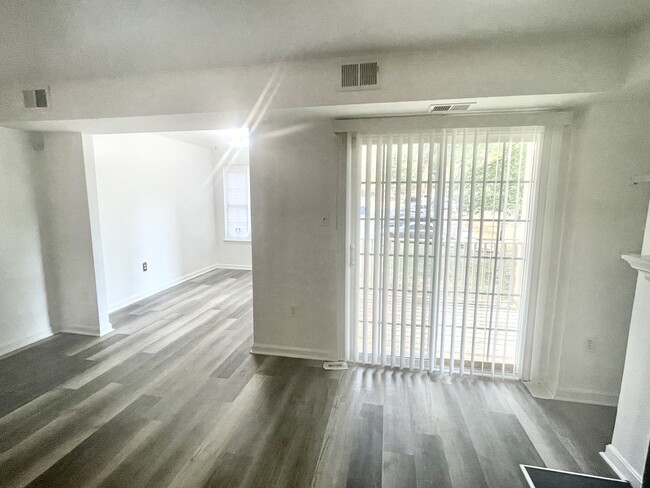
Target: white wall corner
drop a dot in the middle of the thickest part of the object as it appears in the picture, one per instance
(95, 230)
(620, 466)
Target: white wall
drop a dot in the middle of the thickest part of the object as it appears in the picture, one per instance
(229, 253)
(296, 279)
(516, 67)
(72, 275)
(603, 218)
(156, 205)
(23, 301)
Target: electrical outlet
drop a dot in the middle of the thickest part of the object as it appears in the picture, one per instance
(144, 266)
(590, 344)
(324, 221)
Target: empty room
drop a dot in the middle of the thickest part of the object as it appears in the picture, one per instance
(310, 244)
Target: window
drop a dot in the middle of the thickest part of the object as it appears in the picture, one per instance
(236, 190)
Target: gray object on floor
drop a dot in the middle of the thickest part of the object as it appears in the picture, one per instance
(551, 478)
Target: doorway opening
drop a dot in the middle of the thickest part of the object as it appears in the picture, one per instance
(173, 206)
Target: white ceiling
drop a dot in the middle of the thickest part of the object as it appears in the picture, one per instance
(208, 139)
(80, 39)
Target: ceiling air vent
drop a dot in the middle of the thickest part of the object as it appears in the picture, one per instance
(360, 75)
(450, 107)
(38, 98)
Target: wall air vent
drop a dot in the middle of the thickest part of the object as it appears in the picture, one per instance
(360, 76)
(38, 98)
(450, 107)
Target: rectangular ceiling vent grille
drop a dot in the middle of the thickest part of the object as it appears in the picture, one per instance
(36, 98)
(360, 75)
(451, 107)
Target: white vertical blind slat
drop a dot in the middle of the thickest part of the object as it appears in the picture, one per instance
(366, 254)
(376, 259)
(427, 242)
(406, 250)
(445, 285)
(386, 245)
(396, 224)
(356, 230)
(457, 252)
(416, 251)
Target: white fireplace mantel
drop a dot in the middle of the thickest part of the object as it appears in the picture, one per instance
(640, 263)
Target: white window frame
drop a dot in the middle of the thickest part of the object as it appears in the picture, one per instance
(227, 237)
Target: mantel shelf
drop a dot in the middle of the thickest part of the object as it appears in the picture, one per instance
(640, 263)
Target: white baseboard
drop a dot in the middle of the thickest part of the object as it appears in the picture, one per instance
(586, 396)
(24, 342)
(157, 289)
(539, 389)
(106, 328)
(84, 330)
(243, 267)
(294, 352)
(620, 466)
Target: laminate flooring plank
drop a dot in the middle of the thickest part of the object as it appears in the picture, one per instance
(83, 463)
(490, 440)
(234, 360)
(399, 470)
(366, 464)
(431, 465)
(229, 472)
(462, 459)
(339, 439)
(398, 426)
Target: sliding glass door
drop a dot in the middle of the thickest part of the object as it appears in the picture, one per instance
(441, 232)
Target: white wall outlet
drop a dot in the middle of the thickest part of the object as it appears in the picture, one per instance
(324, 221)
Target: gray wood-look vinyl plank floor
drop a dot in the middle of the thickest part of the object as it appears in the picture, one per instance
(173, 398)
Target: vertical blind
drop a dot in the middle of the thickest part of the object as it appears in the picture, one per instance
(442, 233)
(236, 203)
